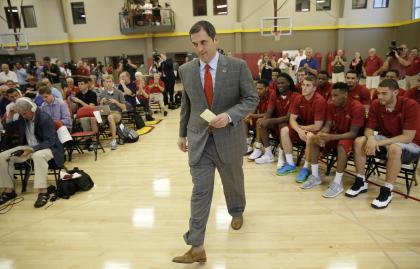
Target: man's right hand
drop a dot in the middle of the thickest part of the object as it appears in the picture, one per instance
(182, 144)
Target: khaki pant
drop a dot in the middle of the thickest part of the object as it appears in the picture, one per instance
(411, 81)
(338, 77)
(116, 116)
(7, 166)
(372, 82)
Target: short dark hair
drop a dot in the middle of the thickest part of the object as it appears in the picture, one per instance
(44, 90)
(389, 83)
(206, 26)
(394, 71)
(323, 72)
(276, 70)
(40, 84)
(264, 82)
(352, 72)
(341, 86)
(47, 58)
(302, 69)
(311, 78)
(83, 79)
(12, 90)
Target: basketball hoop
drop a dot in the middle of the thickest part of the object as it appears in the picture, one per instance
(277, 35)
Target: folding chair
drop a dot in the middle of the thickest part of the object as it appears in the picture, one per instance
(80, 138)
(408, 170)
(300, 152)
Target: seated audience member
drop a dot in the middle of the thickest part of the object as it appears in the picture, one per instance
(356, 91)
(93, 86)
(13, 95)
(38, 100)
(413, 69)
(29, 87)
(300, 76)
(310, 63)
(390, 74)
(70, 89)
(142, 96)
(155, 89)
(273, 84)
(307, 116)
(6, 74)
(116, 102)
(251, 120)
(345, 118)
(22, 75)
(55, 91)
(276, 117)
(56, 108)
(370, 69)
(397, 120)
(39, 142)
(4, 101)
(11, 84)
(324, 87)
(414, 93)
(338, 66)
(129, 90)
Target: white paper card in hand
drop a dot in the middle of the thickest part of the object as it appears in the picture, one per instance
(207, 115)
(97, 115)
(63, 134)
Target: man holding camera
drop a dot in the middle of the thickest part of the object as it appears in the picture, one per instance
(397, 59)
(127, 66)
(40, 143)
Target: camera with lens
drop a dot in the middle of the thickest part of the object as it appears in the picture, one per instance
(156, 56)
(393, 48)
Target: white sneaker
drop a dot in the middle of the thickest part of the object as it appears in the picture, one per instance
(255, 154)
(114, 144)
(249, 150)
(266, 158)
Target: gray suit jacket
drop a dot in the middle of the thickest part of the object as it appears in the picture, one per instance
(234, 93)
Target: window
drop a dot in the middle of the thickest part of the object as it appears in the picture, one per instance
(416, 9)
(200, 7)
(303, 5)
(380, 3)
(220, 7)
(323, 5)
(359, 4)
(78, 12)
(12, 17)
(28, 14)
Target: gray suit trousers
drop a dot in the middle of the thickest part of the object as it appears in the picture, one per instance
(203, 180)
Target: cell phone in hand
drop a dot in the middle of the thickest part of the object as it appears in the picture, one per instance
(17, 153)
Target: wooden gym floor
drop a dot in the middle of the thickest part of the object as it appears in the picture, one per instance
(136, 214)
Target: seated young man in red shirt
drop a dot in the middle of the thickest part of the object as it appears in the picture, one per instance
(276, 117)
(390, 74)
(414, 93)
(345, 118)
(300, 76)
(155, 91)
(357, 91)
(397, 120)
(252, 119)
(307, 116)
(324, 87)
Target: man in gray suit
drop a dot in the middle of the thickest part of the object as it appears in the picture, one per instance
(220, 143)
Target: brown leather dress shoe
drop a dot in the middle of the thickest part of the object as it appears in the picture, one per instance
(237, 222)
(191, 257)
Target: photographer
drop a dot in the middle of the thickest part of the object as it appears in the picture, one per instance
(40, 143)
(397, 59)
(166, 68)
(126, 65)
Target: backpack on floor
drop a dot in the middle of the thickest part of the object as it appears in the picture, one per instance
(127, 135)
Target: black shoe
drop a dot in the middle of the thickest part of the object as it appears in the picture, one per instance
(359, 186)
(7, 196)
(42, 199)
(165, 113)
(384, 198)
(149, 118)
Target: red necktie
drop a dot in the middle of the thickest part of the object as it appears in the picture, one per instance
(208, 85)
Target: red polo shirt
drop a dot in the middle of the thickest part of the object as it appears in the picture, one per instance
(309, 111)
(263, 104)
(342, 118)
(298, 87)
(325, 92)
(413, 93)
(361, 94)
(406, 116)
(281, 104)
(373, 64)
(150, 89)
(414, 68)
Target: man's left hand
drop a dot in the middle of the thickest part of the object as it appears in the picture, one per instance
(220, 121)
(324, 136)
(26, 153)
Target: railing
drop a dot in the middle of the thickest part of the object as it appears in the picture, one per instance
(136, 21)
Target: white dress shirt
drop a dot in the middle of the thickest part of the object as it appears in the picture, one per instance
(213, 68)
